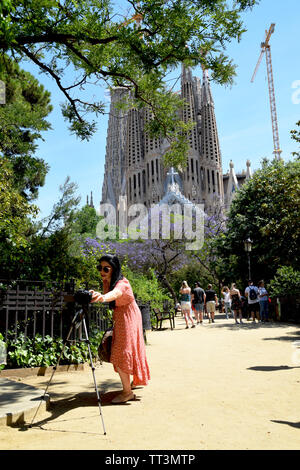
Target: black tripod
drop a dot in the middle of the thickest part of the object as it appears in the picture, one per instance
(78, 319)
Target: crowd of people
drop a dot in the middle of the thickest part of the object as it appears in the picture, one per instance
(197, 303)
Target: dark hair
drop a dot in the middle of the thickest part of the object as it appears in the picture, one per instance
(116, 275)
(250, 281)
(197, 284)
(261, 282)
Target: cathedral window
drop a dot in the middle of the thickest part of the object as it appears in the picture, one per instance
(144, 183)
(148, 173)
(208, 181)
(139, 183)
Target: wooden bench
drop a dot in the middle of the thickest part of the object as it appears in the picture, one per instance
(165, 314)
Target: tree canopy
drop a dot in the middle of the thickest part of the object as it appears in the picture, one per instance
(22, 121)
(14, 210)
(133, 46)
(295, 134)
(266, 209)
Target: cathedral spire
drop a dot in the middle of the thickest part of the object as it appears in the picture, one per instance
(206, 91)
(186, 74)
(91, 202)
(232, 186)
(248, 171)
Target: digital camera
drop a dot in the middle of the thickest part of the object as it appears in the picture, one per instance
(83, 297)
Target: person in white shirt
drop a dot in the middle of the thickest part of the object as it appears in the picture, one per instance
(227, 300)
(252, 294)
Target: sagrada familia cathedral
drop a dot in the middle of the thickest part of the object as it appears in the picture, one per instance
(133, 162)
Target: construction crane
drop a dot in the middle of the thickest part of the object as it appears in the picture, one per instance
(266, 48)
(138, 17)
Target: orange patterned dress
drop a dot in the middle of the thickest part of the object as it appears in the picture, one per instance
(128, 350)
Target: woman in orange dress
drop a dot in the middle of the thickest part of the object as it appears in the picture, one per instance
(128, 352)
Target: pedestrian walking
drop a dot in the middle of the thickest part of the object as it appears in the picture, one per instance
(252, 294)
(211, 301)
(263, 302)
(198, 299)
(236, 303)
(185, 292)
(227, 301)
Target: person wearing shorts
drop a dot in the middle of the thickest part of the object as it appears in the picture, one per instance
(253, 303)
(185, 292)
(210, 302)
(198, 299)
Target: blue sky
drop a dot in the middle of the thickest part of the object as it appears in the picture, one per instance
(242, 111)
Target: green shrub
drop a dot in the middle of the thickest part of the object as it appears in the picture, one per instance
(286, 282)
(146, 289)
(45, 352)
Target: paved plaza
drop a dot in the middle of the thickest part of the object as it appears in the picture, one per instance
(217, 386)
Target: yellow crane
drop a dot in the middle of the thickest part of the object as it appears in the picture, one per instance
(138, 18)
(266, 48)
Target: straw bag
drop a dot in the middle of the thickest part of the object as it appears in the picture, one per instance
(104, 350)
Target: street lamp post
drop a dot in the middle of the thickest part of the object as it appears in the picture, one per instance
(248, 247)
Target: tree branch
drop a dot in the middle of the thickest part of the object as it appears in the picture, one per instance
(53, 75)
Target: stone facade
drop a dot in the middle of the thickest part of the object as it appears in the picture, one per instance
(133, 164)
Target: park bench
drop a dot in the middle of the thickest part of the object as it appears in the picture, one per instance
(167, 313)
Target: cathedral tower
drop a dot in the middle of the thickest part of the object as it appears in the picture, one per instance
(133, 164)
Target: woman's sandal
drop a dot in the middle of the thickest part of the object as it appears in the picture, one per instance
(123, 399)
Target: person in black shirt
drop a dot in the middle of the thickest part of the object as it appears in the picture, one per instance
(198, 299)
(210, 302)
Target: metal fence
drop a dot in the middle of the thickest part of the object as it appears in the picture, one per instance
(32, 308)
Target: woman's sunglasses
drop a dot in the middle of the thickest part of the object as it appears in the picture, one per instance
(106, 269)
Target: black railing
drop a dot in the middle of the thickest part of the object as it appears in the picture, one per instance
(35, 307)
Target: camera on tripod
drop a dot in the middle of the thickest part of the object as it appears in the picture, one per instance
(83, 297)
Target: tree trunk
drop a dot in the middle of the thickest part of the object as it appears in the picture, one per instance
(166, 284)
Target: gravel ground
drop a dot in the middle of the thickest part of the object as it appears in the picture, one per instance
(218, 386)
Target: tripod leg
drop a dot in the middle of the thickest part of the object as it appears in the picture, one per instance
(55, 367)
(93, 372)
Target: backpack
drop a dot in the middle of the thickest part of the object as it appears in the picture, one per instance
(252, 293)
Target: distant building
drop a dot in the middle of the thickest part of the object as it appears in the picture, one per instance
(133, 162)
(232, 182)
(90, 202)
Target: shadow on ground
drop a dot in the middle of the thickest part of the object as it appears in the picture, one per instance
(59, 406)
(250, 325)
(272, 368)
(289, 423)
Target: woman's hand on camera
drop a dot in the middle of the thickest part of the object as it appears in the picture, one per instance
(97, 296)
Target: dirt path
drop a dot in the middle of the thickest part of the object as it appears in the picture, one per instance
(217, 386)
